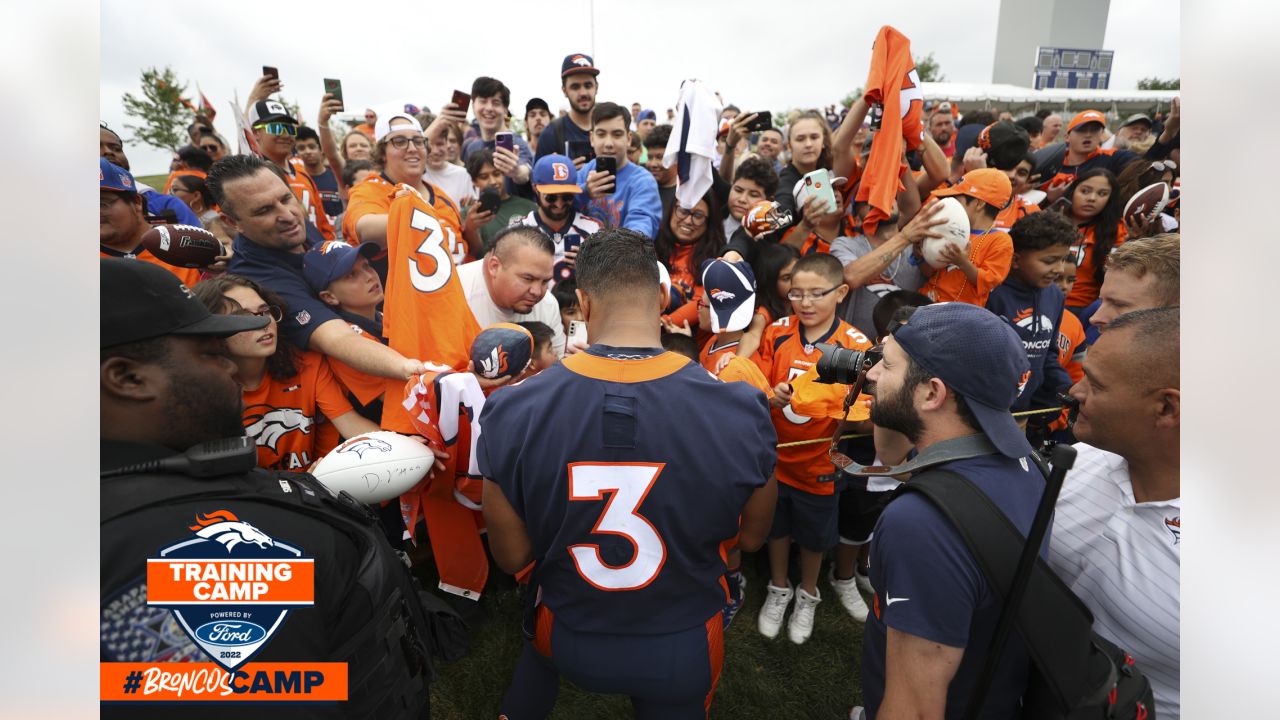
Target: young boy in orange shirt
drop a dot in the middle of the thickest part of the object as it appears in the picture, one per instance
(807, 499)
(970, 277)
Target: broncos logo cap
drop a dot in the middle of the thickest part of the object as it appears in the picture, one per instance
(578, 63)
(730, 291)
(1086, 117)
(322, 265)
(140, 301)
(989, 185)
(978, 356)
(555, 173)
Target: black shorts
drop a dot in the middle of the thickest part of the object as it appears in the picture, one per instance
(808, 519)
(859, 509)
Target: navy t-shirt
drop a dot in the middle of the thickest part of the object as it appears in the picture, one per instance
(630, 467)
(281, 272)
(547, 143)
(929, 585)
(327, 184)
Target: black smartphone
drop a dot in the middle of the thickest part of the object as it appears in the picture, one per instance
(462, 100)
(1061, 205)
(609, 164)
(506, 140)
(579, 149)
(490, 199)
(763, 121)
(268, 70)
(334, 87)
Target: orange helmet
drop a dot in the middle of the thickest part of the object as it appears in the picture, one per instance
(765, 216)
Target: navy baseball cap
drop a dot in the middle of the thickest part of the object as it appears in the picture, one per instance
(647, 115)
(578, 63)
(114, 177)
(323, 265)
(730, 289)
(141, 300)
(980, 357)
(554, 173)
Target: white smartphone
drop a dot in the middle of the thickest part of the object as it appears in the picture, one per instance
(578, 332)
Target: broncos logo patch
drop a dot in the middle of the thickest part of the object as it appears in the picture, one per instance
(225, 528)
(270, 424)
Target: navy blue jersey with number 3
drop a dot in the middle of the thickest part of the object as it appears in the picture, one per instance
(630, 468)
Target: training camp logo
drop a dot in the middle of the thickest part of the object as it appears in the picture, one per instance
(229, 585)
(270, 424)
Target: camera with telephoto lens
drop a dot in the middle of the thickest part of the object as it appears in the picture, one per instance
(842, 365)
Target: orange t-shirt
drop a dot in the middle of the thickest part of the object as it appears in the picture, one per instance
(1017, 210)
(281, 415)
(373, 195)
(188, 276)
(1086, 288)
(782, 356)
(1071, 348)
(365, 387)
(992, 253)
(308, 194)
(711, 353)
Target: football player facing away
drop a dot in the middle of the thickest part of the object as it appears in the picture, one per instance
(620, 527)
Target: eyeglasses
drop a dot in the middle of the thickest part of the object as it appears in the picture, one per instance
(697, 216)
(278, 128)
(798, 296)
(400, 142)
(558, 198)
(1162, 165)
(272, 311)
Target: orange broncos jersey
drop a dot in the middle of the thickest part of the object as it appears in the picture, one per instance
(1071, 352)
(1017, 210)
(783, 356)
(1086, 288)
(444, 407)
(188, 276)
(373, 196)
(308, 194)
(281, 414)
(711, 352)
(992, 253)
(425, 314)
(743, 370)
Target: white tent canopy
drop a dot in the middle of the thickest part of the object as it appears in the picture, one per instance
(1025, 101)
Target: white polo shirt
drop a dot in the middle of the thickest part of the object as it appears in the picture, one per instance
(1122, 558)
(487, 313)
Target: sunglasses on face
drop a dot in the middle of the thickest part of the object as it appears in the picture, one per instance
(210, 148)
(278, 128)
(558, 198)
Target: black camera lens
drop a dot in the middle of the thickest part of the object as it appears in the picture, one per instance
(839, 365)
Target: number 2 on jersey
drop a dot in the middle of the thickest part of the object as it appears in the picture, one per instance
(433, 247)
(629, 483)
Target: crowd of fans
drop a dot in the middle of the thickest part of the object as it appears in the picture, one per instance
(377, 254)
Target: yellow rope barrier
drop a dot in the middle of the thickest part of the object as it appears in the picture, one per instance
(815, 441)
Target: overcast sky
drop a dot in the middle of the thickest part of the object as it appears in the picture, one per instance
(397, 52)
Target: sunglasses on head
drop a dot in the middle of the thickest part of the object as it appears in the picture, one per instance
(278, 128)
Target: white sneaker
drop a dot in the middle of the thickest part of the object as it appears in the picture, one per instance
(850, 597)
(774, 608)
(864, 582)
(800, 627)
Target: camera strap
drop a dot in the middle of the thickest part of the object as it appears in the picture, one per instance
(961, 448)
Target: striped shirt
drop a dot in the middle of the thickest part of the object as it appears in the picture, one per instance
(1122, 558)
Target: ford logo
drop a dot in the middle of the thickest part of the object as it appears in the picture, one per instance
(231, 633)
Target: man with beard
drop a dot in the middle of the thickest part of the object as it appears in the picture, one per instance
(556, 192)
(537, 116)
(948, 378)
(578, 82)
(942, 127)
(168, 386)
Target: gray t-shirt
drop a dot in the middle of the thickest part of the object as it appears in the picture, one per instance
(899, 275)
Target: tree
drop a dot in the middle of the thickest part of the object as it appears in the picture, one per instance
(928, 69)
(1155, 83)
(851, 98)
(163, 113)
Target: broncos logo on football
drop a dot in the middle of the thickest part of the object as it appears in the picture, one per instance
(225, 528)
(361, 445)
(268, 427)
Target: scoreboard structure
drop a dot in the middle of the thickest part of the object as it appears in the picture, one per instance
(1066, 68)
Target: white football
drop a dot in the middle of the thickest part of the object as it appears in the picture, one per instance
(375, 466)
(954, 230)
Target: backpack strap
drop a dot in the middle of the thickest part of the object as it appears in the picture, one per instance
(1056, 627)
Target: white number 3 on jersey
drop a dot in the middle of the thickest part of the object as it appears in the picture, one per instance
(629, 483)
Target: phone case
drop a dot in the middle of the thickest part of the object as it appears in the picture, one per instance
(818, 183)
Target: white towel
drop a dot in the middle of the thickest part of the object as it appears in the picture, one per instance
(693, 141)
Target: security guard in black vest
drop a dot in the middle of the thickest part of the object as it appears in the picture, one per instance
(175, 460)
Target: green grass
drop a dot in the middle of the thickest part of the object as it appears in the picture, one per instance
(761, 678)
(155, 181)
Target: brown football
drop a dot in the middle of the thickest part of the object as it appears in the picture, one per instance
(1146, 202)
(183, 245)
